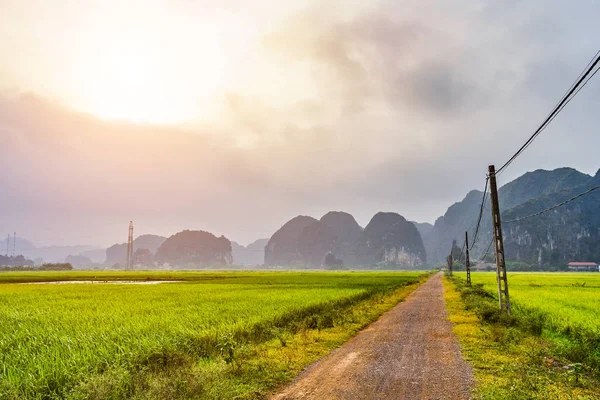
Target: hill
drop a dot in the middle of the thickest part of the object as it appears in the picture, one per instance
(389, 240)
(194, 249)
(253, 254)
(22, 245)
(283, 247)
(117, 254)
(568, 233)
(563, 235)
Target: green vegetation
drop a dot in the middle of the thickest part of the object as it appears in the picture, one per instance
(216, 335)
(548, 347)
(43, 267)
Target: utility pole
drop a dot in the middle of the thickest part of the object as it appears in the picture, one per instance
(130, 246)
(449, 260)
(503, 298)
(467, 261)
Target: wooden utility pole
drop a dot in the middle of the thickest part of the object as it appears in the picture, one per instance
(449, 260)
(467, 261)
(503, 298)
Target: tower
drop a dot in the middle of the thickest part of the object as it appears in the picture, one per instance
(14, 243)
(7, 243)
(130, 247)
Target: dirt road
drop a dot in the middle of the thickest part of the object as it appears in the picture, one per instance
(409, 353)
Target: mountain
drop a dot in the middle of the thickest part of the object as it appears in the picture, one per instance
(97, 256)
(253, 254)
(568, 233)
(315, 242)
(79, 261)
(283, 247)
(336, 234)
(391, 240)
(194, 249)
(55, 254)
(306, 241)
(459, 217)
(424, 228)
(565, 234)
(539, 183)
(117, 254)
(347, 234)
(21, 245)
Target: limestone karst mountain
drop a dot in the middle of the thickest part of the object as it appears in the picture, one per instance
(117, 253)
(567, 233)
(388, 241)
(252, 254)
(195, 249)
(283, 247)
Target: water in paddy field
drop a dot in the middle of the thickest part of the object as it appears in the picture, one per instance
(100, 282)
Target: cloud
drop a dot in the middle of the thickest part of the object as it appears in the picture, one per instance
(394, 106)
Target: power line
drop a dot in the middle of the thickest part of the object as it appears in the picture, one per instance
(487, 251)
(487, 179)
(554, 206)
(558, 108)
(573, 84)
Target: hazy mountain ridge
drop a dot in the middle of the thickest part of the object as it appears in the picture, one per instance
(253, 254)
(194, 249)
(117, 253)
(568, 233)
(557, 237)
(389, 240)
(424, 228)
(282, 247)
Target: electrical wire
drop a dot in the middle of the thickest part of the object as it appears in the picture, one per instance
(487, 179)
(554, 206)
(487, 251)
(571, 93)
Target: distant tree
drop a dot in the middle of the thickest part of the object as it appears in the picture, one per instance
(457, 253)
(56, 267)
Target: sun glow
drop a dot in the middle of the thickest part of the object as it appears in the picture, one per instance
(146, 79)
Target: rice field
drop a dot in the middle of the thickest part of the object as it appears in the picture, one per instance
(569, 301)
(55, 337)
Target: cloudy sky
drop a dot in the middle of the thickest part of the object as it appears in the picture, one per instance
(234, 116)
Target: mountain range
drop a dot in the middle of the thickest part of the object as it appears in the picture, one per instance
(251, 255)
(336, 240)
(567, 233)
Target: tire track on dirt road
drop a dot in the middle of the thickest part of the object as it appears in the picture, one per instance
(409, 353)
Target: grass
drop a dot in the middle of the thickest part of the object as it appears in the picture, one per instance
(570, 300)
(532, 353)
(216, 335)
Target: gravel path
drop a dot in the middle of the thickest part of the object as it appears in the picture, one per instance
(409, 353)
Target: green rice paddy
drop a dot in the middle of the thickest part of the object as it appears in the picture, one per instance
(56, 339)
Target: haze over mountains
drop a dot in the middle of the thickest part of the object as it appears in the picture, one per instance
(568, 233)
(562, 235)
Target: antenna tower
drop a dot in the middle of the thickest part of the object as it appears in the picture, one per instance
(130, 247)
(14, 243)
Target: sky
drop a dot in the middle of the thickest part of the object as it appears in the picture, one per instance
(233, 116)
